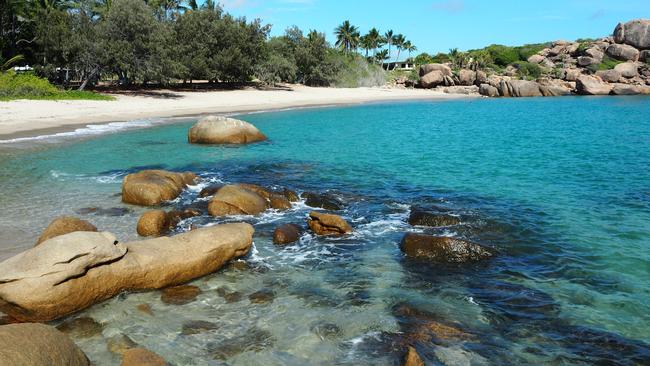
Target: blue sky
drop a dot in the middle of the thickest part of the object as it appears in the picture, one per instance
(435, 26)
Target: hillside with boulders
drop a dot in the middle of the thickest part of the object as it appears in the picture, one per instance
(614, 65)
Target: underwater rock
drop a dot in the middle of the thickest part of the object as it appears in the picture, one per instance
(325, 201)
(262, 297)
(254, 340)
(83, 327)
(145, 308)
(180, 295)
(443, 249)
(328, 224)
(142, 357)
(64, 225)
(120, 343)
(198, 326)
(110, 212)
(325, 330)
(236, 200)
(152, 187)
(71, 272)
(229, 295)
(421, 326)
(38, 345)
(223, 130)
(420, 217)
(287, 234)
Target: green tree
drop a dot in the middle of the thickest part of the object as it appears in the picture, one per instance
(398, 42)
(347, 36)
(409, 47)
(389, 38)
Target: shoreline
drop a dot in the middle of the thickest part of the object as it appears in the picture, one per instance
(26, 119)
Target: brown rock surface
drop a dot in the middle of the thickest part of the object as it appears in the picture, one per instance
(151, 187)
(153, 223)
(236, 200)
(443, 249)
(71, 272)
(328, 224)
(64, 225)
(30, 344)
(286, 234)
(223, 130)
(142, 357)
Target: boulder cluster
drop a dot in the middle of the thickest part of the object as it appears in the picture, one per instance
(570, 68)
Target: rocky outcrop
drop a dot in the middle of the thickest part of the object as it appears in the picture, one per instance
(591, 85)
(236, 200)
(327, 224)
(142, 357)
(610, 76)
(287, 234)
(324, 200)
(488, 90)
(31, 344)
(635, 33)
(432, 79)
(623, 52)
(519, 88)
(625, 89)
(555, 87)
(64, 225)
(628, 69)
(467, 77)
(443, 249)
(224, 130)
(73, 271)
(152, 187)
(432, 75)
(444, 69)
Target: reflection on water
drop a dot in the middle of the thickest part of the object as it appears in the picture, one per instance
(561, 200)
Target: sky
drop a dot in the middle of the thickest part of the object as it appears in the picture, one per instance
(438, 25)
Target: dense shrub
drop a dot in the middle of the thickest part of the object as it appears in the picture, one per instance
(608, 63)
(355, 71)
(527, 70)
(503, 55)
(528, 50)
(30, 86)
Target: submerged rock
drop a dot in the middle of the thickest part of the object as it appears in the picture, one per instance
(421, 326)
(83, 327)
(180, 295)
(145, 308)
(254, 340)
(198, 326)
(236, 200)
(64, 225)
(38, 345)
(110, 212)
(262, 297)
(223, 130)
(71, 272)
(443, 249)
(327, 224)
(325, 330)
(152, 187)
(229, 295)
(120, 344)
(142, 357)
(287, 234)
(419, 217)
(325, 201)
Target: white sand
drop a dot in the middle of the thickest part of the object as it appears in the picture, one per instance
(31, 117)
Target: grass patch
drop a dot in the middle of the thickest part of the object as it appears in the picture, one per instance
(608, 63)
(29, 86)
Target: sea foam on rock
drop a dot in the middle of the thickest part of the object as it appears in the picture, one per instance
(224, 130)
(73, 271)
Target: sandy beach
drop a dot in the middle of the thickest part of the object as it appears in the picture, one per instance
(23, 118)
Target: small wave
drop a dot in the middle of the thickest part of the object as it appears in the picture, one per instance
(104, 179)
(89, 130)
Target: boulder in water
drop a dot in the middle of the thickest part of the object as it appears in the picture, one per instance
(153, 223)
(591, 85)
(279, 202)
(488, 90)
(327, 224)
(64, 225)
(38, 345)
(73, 271)
(443, 249)
(325, 201)
(236, 200)
(224, 130)
(286, 234)
(419, 217)
(151, 187)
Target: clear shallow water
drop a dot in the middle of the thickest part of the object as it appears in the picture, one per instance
(560, 186)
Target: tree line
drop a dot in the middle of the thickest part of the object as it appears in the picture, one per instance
(167, 41)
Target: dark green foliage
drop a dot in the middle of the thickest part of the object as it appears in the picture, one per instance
(527, 70)
(503, 55)
(608, 63)
(528, 50)
(29, 86)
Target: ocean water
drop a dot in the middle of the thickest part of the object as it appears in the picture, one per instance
(559, 186)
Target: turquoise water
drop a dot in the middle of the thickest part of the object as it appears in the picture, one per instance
(560, 186)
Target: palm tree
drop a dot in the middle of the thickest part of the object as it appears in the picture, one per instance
(347, 36)
(399, 41)
(389, 37)
(366, 43)
(382, 56)
(408, 46)
(375, 40)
